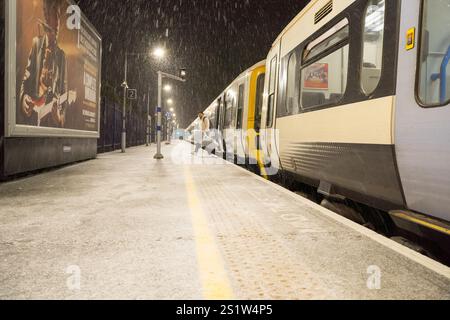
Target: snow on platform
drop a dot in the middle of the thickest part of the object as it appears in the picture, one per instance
(125, 226)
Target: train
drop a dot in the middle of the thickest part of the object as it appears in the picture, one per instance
(352, 107)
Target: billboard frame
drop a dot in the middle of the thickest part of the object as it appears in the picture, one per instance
(12, 129)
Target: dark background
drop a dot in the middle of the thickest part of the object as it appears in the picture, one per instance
(214, 39)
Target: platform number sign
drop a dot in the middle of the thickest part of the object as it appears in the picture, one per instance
(132, 94)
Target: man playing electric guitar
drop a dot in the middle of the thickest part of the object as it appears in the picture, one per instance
(45, 80)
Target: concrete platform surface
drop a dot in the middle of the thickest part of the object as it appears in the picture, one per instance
(125, 226)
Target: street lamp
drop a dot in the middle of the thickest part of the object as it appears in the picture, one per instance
(172, 109)
(159, 53)
(167, 88)
(124, 111)
(169, 101)
(161, 75)
(183, 74)
(149, 122)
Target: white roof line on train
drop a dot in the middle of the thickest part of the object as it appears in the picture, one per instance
(244, 73)
(418, 258)
(255, 66)
(308, 7)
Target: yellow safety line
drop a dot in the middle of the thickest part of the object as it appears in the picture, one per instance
(423, 223)
(215, 282)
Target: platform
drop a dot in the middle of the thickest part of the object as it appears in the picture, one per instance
(125, 226)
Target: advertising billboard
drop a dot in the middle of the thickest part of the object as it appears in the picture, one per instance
(54, 70)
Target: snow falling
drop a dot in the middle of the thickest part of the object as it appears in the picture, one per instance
(214, 40)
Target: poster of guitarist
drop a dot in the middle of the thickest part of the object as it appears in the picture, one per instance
(43, 93)
(58, 70)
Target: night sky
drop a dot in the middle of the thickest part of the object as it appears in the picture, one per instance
(214, 39)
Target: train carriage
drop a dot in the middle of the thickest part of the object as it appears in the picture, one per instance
(356, 104)
(235, 116)
(353, 103)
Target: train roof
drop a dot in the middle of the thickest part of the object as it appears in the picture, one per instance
(307, 8)
(312, 5)
(244, 73)
(261, 63)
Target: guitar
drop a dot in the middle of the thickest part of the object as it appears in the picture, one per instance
(42, 109)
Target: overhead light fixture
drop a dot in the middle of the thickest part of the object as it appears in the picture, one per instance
(159, 53)
(183, 73)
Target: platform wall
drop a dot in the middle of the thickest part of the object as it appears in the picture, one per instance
(23, 154)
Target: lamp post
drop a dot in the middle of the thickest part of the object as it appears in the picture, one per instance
(169, 128)
(174, 129)
(158, 154)
(124, 109)
(158, 53)
(161, 75)
(149, 121)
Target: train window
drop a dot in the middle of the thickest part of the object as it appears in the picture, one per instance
(259, 100)
(338, 34)
(433, 87)
(230, 109)
(291, 90)
(273, 77)
(240, 112)
(324, 82)
(272, 84)
(324, 78)
(373, 46)
(212, 119)
(219, 114)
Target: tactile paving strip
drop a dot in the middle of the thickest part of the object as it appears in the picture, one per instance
(275, 247)
(259, 263)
